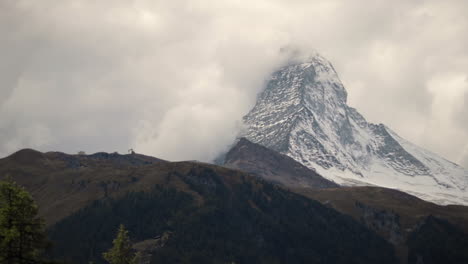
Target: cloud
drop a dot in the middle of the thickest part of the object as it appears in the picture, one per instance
(174, 78)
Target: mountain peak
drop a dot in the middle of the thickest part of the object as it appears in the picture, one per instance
(314, 72)
(26, 156)
(303, 113)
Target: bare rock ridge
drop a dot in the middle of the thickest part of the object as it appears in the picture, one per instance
(303, 113)
(273, 166)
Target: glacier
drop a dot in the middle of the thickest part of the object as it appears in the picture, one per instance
(303, 113)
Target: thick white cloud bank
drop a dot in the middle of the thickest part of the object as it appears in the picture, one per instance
(174, 78)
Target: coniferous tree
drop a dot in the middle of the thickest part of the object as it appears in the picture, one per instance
(121, 251)
(22, 236)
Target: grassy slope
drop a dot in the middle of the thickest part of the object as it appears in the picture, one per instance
(233, 218)
(62, 184)
(229, 215)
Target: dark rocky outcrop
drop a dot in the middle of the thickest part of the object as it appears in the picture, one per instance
(273, 166)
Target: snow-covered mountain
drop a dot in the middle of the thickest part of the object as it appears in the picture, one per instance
(303, 113)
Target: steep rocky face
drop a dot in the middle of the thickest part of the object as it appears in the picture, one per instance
(303, 113)
(273, 166)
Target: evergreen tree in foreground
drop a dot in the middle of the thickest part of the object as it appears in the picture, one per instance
(22, 236)
(121, 251)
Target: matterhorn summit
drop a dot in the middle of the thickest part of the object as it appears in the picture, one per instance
(303, 113)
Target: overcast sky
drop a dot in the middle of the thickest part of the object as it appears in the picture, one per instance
(174, 78)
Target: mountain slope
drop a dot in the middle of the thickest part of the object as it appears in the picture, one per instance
(303, 113)
(190, 212)
(62, 183)
(206, 213)
(437, 241)
(273, 166)
(240, 220)
(395, 215)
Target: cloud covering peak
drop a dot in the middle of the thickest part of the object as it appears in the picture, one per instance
(174, 78)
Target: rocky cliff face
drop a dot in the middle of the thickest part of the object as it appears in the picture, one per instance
(303, 113)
